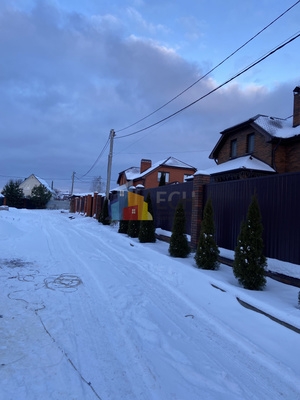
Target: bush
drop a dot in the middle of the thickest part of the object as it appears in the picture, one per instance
(179, 246)
(123, 226)
(133, 228)
(104, 215)
(147, 228)
(40, 196)
(249, 262)
(207, 252)
(13, 194)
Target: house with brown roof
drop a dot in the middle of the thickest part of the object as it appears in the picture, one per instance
(149, 175)
(259, 146)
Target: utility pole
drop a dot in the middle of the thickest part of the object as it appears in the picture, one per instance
(111, 137)
(72, 188)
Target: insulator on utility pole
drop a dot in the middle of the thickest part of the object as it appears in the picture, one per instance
(111, 137)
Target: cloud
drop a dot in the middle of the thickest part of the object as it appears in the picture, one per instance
(68, 78)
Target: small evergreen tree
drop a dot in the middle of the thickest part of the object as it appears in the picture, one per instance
(249, 261)
(147, 228)
(40, 196)
(123, 226)
(179, 246)
(13, 193)
(104, 215)
(207, 252)
(133, 228)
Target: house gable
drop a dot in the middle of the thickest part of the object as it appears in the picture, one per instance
(149, 178)
(29, 183)
(275, 141)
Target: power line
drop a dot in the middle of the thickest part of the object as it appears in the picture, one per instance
(210, 71)
(98, 158)
(216, 88)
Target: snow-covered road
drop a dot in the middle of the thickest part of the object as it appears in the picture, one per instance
(87, 313)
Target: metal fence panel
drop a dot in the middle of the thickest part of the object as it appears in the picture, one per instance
(278, 197)
(165, 200)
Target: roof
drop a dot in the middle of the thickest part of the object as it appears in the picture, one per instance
(277, 127)
(245, 162)
(133, 173)
(42, 182)
(271, 127)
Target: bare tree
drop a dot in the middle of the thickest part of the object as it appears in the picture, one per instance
(97, 184)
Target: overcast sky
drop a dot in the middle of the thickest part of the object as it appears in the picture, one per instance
(70, 71)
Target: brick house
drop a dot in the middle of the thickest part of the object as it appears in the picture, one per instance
(259, 146)
(148, 175)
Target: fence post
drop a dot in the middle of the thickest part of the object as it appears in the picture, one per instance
(200, 180)
(88, 205)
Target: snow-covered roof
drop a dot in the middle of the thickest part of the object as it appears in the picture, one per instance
(120, 188)
(131, 173)
(246, 162)
(277, 127)
(43, 182)
(134, 172)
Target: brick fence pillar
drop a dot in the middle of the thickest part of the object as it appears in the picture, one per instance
(94, 209)
(89, 204)
(200, 180)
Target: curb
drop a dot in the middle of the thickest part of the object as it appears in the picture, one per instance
(250, 307)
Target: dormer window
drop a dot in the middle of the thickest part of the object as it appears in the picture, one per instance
(250, 143)
(233, 148)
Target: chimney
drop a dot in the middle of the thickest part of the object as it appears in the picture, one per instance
(145, 164)
(296, 115)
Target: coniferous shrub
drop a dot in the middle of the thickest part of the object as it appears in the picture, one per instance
(133, 228)
(179, 246)
(123, 226)
(104, 215)
(40, 196)
(249, 261)
(147, 228)
(13, 193)
(207, 252)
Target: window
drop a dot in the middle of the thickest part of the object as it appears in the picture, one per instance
(166, 174)
(233, 146)
(250, 143)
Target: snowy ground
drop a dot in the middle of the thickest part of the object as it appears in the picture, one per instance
(87, 313)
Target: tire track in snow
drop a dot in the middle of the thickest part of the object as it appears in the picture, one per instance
(106, 349)
(142, 304)
(214, 333)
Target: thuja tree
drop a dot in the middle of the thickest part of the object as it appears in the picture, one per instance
(207, 252)
(179, 246)
(249, 261)
(40, 196)
(13, 193)
(147, 228)
(133, 228)
(123, 226)
(104, 215)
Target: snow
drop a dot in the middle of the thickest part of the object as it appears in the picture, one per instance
(277, 127)
(134, 172)
(245, 162)
(88, 313)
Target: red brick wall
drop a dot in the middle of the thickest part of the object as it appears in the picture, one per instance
(296, 116)
(293, 157)
(262, 149)
(197, 207)
(176, 175)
